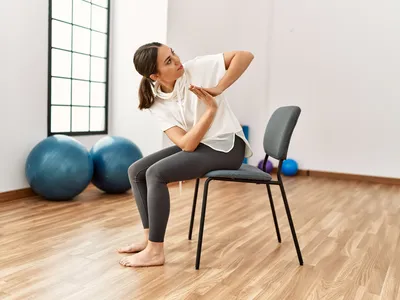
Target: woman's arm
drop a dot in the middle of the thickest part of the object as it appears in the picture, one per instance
(188, 141)
(236, 62)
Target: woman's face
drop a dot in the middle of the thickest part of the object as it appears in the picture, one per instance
(169, 65)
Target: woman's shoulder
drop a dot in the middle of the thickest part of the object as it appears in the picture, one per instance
(157, 104)
(161, 107)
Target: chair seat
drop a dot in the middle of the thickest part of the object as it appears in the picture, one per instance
(246, 172)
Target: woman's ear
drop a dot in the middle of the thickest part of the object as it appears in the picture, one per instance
(154, 77)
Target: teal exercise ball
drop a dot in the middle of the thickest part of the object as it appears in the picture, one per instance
(112, 156)
(289, 167)
(59, 168)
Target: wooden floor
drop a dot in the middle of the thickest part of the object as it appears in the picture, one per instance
(348, 233)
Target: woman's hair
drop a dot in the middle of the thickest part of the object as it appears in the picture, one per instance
(145, 61)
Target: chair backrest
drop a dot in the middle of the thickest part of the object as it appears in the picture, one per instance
(279, 131)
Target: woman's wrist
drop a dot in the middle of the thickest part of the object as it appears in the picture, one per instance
(212, 109)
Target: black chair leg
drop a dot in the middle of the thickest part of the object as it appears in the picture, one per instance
(196, 189)
(271, 202)
(296, 243)
(203, 216)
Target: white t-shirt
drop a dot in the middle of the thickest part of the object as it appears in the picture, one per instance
(182, 108)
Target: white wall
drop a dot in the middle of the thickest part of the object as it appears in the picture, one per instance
(23, 114)
(206, 27)
(339, 61)
(133, 23)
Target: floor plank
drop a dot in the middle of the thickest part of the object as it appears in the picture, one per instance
(348, 232)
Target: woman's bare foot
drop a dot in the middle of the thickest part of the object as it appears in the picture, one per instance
(153, 255)
(136, 247)
(133, 248)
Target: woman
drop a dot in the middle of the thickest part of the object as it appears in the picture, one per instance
(189, 104)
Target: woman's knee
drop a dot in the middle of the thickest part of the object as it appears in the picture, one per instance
(154, 173)
(136, 171)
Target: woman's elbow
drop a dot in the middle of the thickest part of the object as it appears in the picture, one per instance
(189, 147)
(247, 54)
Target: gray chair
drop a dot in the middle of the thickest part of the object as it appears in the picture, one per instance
(276, 144)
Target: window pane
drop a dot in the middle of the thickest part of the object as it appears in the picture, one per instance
(81, 40)
(81, 13)
(78, 65)
(80, 92)
(103, 3)
(99, 18)
(61, 35)
(99, 44)
(80, 118)
(97, 119)
(97, 94)
(60, 118)
(60, 91)
(98, 69)
(60, 63)
(62, 10)
(81, 64)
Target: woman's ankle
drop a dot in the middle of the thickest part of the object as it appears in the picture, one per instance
(155, 247)
(146, 234)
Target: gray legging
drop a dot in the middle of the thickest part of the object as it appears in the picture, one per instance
(149, 177)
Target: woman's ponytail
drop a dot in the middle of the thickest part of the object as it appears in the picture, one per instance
(146, 96)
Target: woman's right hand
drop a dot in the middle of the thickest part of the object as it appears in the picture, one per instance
(204, 96)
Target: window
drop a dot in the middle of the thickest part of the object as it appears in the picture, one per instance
(78, 67)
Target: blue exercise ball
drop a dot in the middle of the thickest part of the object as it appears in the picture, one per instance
(59, 168)
(289, 167)
(112, 156)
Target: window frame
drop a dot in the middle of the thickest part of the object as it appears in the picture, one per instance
(49, 77)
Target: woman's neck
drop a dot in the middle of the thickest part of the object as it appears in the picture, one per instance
(167, 87)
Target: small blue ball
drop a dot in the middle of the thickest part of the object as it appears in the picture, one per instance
(289, 167)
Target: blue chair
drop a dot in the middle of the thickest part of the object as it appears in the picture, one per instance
(276, 144)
